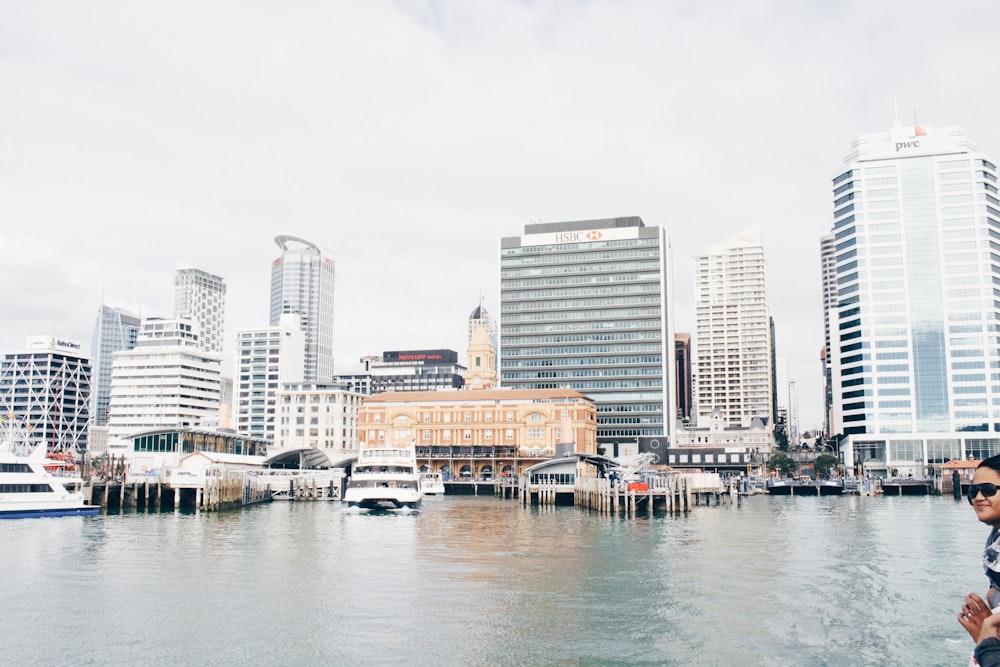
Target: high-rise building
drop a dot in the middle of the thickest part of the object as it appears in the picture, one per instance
(914, 352)
(302, 283)
(167, 380)
(266, 359)
(588, 304)
(47, 388)
(733, 370)
(201, 297)
(787, 413)
(828, 268)
(115, 330)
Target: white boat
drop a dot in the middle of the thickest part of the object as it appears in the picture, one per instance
(27, 488)
(384, 476)
(431, 484)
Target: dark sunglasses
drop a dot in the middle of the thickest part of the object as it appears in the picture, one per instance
(986, 488)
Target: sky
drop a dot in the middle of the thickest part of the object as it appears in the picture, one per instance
(407, 138)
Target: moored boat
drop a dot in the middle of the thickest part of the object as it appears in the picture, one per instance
(384, 476)
(28, 487)
(431, 484)
(783, 487)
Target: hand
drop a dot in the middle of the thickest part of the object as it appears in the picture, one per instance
(974, 612)
(990, 627)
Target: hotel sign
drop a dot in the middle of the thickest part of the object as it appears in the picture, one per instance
(581, 236)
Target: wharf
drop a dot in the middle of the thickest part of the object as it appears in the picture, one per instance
(149, 492)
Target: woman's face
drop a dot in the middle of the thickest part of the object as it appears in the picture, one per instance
(987, 509)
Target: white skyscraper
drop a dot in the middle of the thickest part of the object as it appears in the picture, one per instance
(914, 352)
(732, 342)
(201, 297)
(266, 359)
(302, 283)
(166, 380)
(828, 270)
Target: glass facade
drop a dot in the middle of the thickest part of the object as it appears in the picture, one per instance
(302, 283)
(914, 333)
(114, 331)
(585, 304)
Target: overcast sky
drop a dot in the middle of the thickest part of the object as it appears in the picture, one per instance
(409, 137)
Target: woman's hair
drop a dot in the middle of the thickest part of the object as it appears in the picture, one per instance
(992, 462)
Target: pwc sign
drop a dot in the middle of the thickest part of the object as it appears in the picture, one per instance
(914, 141)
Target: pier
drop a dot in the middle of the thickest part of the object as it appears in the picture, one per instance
(153, 493)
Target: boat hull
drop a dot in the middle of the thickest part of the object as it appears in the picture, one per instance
(805, 490)
(50, 512)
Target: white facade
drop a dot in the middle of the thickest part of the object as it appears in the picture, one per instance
(302, 282)
(914, 352)
(717, 432)
(47, 388)
(201, 297)
(828, 269)
(731, 362)
(167, 380)
(317, 416)
(265, 360)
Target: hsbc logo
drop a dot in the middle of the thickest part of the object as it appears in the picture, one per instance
(570, 237)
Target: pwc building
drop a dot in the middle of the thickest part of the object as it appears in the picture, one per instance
(588, 305)
(914, 353)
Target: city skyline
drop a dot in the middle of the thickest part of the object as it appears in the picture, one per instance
(410, 161)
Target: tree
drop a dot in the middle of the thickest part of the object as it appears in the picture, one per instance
(824, 463)
(784, 464)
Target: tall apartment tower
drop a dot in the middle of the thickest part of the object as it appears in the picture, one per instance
(733, 371)
(166, 380)
(266, 359)
(115, 330)
(588, 304)
(828, 269)
(915, 353)
(47, 388)
(302, 283)
(201, 297)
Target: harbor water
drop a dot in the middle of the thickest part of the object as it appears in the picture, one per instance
(481, 581)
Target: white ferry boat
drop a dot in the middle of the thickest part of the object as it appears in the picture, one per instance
(431, 484)
(384, 476)
(27, 488)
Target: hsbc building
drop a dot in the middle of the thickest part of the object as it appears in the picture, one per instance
(588, 304)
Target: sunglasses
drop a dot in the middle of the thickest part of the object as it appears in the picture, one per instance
(986, 488)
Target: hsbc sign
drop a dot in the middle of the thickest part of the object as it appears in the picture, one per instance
(571, 237)
(582, 236)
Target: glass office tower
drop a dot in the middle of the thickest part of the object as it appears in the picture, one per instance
(588, 304)
(302, 283)
(914, 351)
(114, 331)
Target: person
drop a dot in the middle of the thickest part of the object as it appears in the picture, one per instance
(987, 652)
(985, 501)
